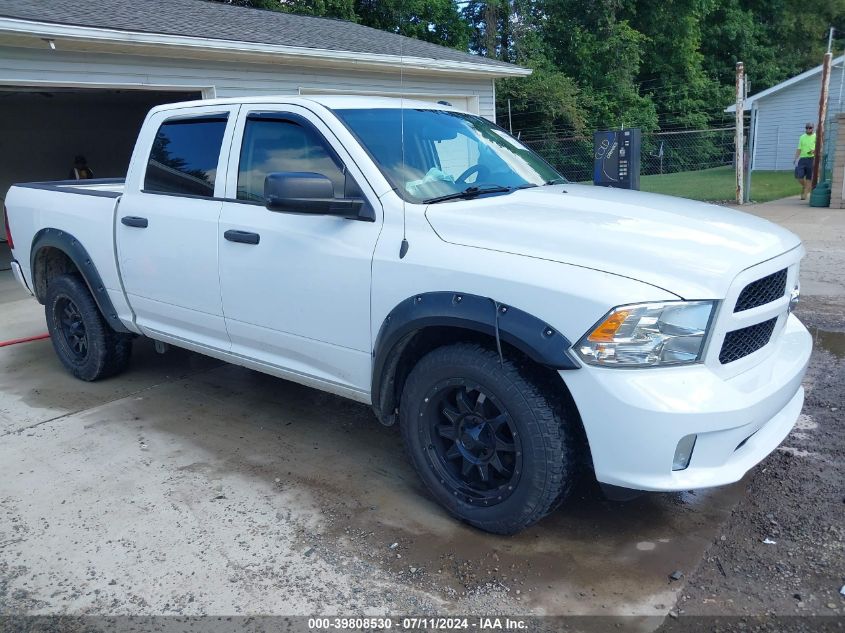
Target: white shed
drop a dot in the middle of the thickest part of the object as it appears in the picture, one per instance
(77, 78)
(782, 111)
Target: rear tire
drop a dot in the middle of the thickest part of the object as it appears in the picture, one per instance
(487, 440)
(85, 344)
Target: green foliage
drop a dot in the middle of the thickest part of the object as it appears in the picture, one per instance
(341, 9)
(491, 23)
(655, 64)
(548, 101)
(437, 21)
(596, 44)
(776, 39)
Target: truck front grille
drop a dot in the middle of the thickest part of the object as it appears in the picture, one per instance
(741, 343)
(762, 291)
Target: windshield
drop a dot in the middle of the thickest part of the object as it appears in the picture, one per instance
(445, 153)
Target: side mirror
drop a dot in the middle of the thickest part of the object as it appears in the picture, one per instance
(306, 192)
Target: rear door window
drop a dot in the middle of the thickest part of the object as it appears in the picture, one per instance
(184, 156)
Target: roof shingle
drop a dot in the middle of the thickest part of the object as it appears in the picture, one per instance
(199, 18)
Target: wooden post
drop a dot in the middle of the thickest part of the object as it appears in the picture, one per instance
(817, 157)
(739, 140)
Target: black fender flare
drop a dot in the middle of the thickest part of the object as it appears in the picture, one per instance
(532, 336)
(73, 248)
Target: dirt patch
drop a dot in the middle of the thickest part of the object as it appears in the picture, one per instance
(782, 551)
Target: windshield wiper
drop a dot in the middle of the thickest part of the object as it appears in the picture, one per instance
(557, 181)
(468, 193)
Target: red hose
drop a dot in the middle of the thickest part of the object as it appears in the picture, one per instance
(28, 339)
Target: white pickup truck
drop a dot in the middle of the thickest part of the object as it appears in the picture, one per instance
(419, 259)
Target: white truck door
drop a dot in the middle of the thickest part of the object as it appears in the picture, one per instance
(296, 286)
(166, 228)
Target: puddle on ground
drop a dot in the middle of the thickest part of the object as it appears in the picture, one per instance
(587, 555)
(833, 342)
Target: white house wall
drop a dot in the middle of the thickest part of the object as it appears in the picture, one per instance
(782, 115)
(25, 66)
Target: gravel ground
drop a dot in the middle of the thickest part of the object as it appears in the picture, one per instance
(781, 553)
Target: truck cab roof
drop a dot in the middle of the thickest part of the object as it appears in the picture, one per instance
(332, 102)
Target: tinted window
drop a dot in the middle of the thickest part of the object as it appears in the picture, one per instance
(430, 153)
(184, 156)
(273, 145)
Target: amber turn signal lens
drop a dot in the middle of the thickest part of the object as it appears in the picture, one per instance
(605, 332)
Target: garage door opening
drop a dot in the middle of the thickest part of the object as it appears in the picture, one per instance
(41, 131)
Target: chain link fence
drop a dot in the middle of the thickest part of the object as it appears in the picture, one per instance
(666, 152)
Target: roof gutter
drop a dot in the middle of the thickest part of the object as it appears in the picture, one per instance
(68, 32)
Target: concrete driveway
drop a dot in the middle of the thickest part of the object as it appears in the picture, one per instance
(188, 486)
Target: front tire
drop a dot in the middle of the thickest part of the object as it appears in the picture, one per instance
(85, 344)
(488, 442)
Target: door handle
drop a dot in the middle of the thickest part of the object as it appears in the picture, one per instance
(134, 220)
(244, 237)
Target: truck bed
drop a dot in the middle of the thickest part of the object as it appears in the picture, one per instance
(104, 187)
(80, 211)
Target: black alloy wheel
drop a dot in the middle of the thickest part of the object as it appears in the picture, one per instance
(84, 342)
(489, 436)
(72, 327)
(471, 441)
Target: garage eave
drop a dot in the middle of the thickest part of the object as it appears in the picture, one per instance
(225, 49)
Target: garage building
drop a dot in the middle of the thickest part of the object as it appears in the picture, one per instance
(77, 78)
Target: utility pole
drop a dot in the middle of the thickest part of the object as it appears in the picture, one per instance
(817, 156)
(739, 140)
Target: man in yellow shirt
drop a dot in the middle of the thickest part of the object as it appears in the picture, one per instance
(804, 156)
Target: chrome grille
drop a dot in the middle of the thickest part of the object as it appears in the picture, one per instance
(762, 291)
(741, 343)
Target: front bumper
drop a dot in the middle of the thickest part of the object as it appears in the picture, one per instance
(635, 418)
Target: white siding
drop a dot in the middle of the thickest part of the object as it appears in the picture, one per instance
(19, 66)
(781, 117)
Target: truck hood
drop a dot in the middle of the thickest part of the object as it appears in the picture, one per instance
(689, 248)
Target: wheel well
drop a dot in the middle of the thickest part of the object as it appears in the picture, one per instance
(417, 344)
(49, 263)
(412, 348)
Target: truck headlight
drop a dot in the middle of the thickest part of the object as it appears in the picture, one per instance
(649, 334)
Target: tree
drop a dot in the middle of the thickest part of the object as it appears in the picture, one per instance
(437, 21)
(598, 47)
(776, 39)
(546, 102)
(656, 64)
(490, 22)
(342, 9)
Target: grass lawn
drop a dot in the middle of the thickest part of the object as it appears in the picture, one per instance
(719, 184)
